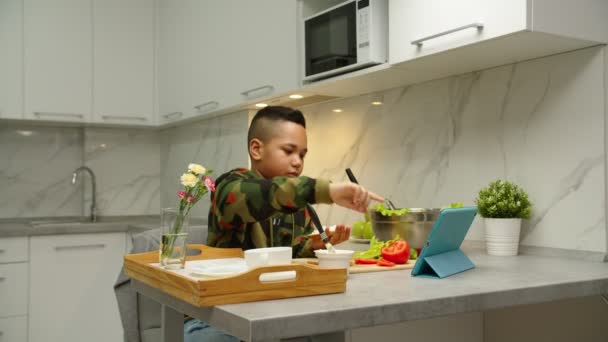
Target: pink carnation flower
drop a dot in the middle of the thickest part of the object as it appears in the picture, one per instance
(181, 194)
(210, 184)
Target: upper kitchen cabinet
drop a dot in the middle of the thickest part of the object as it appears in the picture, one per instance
(58, 60)
(183, 59)
(217, 56)
(423, 27)
(262, 50)
(11, 59)
(123, 54)
(436, 38)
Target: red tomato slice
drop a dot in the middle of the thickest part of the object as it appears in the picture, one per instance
(397, 252)
(359, 261)
(385, 263)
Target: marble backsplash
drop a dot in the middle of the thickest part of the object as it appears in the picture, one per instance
(217, 143)
(36, 165)
(126, 164)
(539, 123)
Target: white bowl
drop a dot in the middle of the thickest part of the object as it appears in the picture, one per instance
(340, 259)
(268, 256)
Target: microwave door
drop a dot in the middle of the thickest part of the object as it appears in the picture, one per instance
(331, 40)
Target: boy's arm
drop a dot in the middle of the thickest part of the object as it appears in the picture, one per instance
(240, 201)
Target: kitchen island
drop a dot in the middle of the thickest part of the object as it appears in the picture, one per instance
(381, 298)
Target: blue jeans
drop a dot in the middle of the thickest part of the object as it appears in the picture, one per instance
(198, 331)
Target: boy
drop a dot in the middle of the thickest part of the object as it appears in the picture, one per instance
(265, 206)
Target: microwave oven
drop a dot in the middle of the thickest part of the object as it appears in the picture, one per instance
(344, 38)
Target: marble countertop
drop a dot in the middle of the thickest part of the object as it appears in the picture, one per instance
(394, 296)
(74, 225)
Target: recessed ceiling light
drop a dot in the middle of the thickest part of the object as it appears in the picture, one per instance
(337, 110)
(261, 105)
(295, 96)
(377, 100)
(24, 132)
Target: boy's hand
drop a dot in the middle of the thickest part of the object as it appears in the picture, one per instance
(339, 235)
(352, 196)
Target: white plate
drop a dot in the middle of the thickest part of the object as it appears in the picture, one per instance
(216, 267)
(356, 240)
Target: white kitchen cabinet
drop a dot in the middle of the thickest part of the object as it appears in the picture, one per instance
(425, 27)
(123, 61)
(58, 60)
(13, 329)
(178, 36)
(71, 287)
(216, 55)
(13, 249)
(11, 59)
(13, 289)
(411, 20)
(261, 49)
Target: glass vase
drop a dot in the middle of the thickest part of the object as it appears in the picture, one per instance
(173, 238)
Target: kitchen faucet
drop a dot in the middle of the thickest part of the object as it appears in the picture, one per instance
(74, 176)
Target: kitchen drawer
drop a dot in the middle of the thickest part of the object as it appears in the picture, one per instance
(13, 290)
(13, 329)
(13, 249)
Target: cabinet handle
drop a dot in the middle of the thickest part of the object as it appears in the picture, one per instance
(2, 278)
(126, 118)
(1, 333)
(71, 115)
(173, 116)
(478, 26)
(97, 245)
(268, 86)
(215, 104)
(1, 250)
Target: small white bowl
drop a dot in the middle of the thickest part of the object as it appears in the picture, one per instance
(340, 259)
(268, 256)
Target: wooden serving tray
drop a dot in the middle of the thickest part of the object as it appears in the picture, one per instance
(310, 280)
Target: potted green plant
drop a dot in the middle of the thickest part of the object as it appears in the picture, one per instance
(503, 206)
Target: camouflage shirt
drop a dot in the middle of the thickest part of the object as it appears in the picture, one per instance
(248, 211)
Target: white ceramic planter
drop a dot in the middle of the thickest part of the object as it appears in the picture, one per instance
(502, 236)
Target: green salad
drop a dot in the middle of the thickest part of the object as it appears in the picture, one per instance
(375, 248)
(454, 205)
(384, 211)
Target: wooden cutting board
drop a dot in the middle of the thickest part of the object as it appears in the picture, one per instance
(362, 268)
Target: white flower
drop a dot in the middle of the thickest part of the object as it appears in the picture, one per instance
(196, 168)
(188, 179)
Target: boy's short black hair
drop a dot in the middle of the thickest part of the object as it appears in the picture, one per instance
(261, 125)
